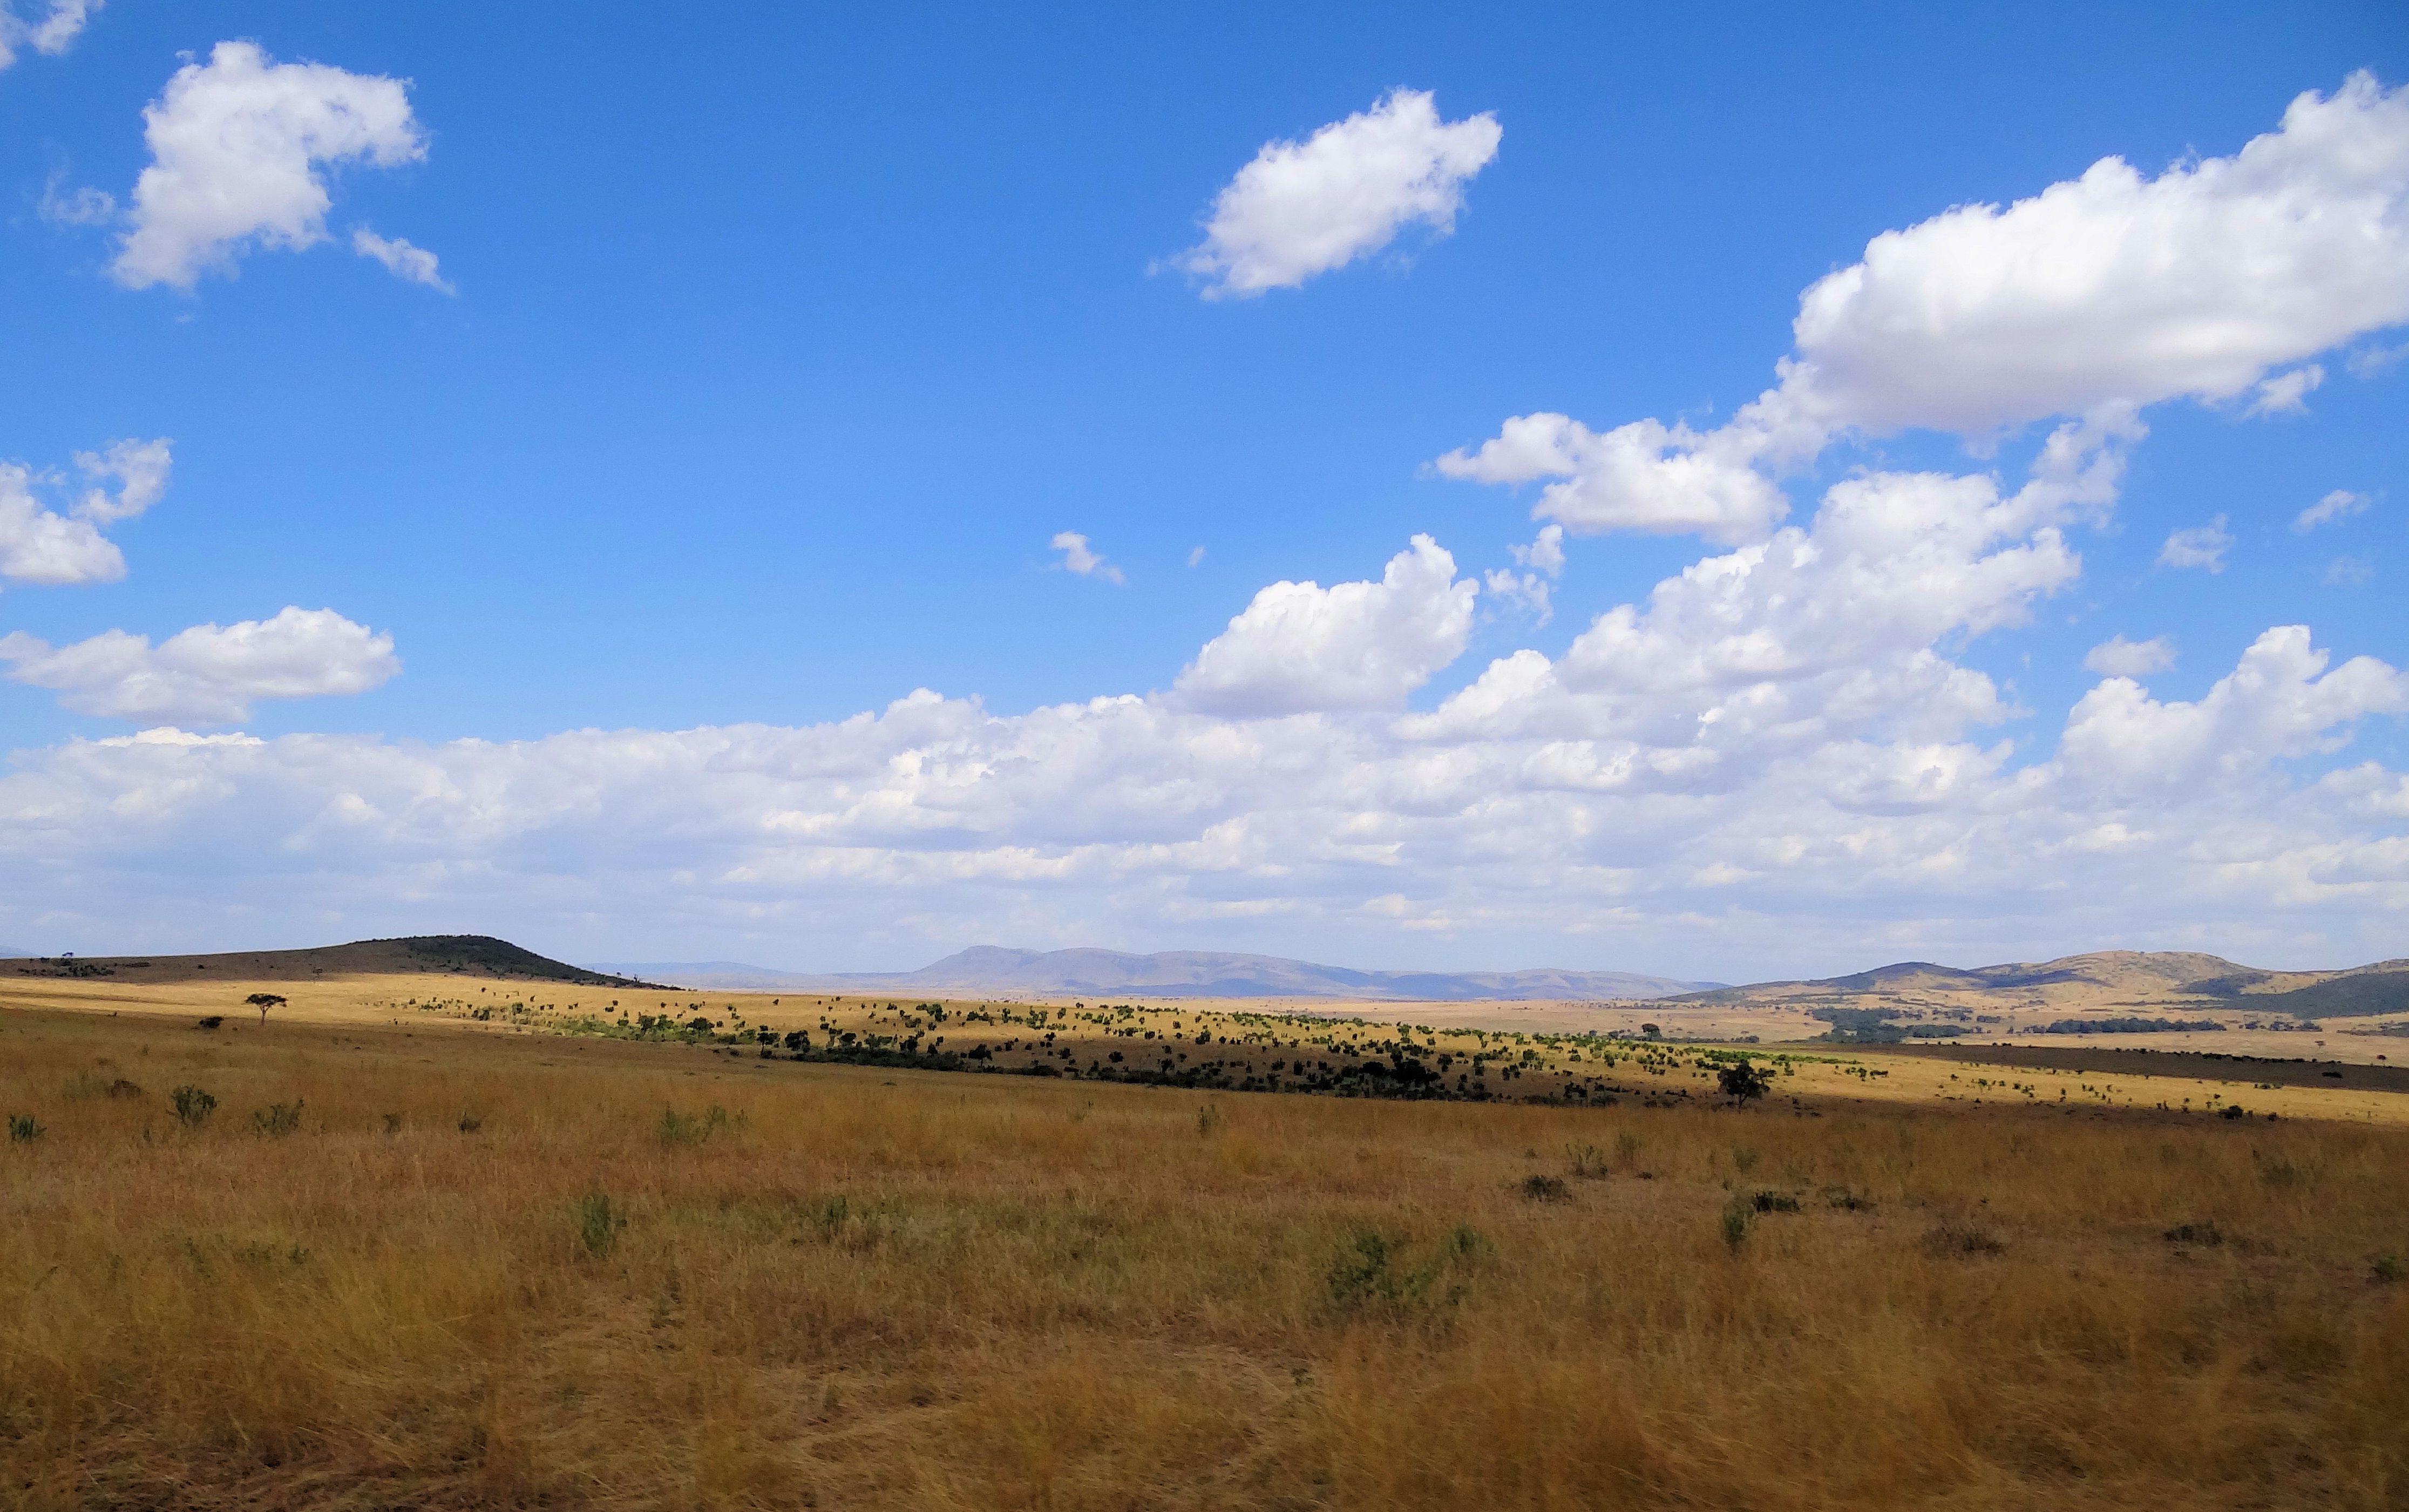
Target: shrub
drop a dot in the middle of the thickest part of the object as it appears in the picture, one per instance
(22, 1130)
(193, 1105)
(1363, 1274)
(830, 1218)
(1540, 1189)
(598, 1226)
(277, 1118)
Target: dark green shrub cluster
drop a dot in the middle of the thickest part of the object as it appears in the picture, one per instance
(277, 1118)
(193, 1105)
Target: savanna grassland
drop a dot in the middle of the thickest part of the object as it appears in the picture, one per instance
(438, 1263)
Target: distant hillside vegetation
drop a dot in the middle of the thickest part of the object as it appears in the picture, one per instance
(2351, 995)
(481, 955)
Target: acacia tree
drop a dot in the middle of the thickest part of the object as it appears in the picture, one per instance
(1743, 1082)
(263, 1002)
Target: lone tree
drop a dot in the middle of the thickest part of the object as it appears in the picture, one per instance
(263, 1002)
(1741, 1082)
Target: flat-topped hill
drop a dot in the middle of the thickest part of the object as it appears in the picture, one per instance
(459, 955)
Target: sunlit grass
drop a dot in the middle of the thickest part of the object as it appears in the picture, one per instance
(464, 1269)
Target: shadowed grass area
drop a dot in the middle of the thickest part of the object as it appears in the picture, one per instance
(458, 1270)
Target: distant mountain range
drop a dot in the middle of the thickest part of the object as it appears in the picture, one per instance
(2107, 981)
(1183, 974)
(2133, 977)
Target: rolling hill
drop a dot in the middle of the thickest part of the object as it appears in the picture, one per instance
(2124, 977)
(466, 955)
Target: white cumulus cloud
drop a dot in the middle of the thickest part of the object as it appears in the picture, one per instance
(2279, 701)
(2202, 545)
(1644, 476)
(140, 469)
(2117, 285)
(412, 265)
(1080, 558)
(209, 674)
(238, 145)
(2286, 393)
(2098, 296)
(1834, 827)
(50, 35)
(1300, 646)
(40, 545)
(1306, 208)
(2120, 657)
(2341, 504)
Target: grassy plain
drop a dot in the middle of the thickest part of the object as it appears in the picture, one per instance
(474, 1263)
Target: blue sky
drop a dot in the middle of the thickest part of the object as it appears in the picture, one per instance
(781, 346)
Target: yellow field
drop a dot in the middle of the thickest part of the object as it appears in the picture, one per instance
(1544, 1059)
(484, 1265)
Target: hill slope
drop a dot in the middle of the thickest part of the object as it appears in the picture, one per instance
(2100, 980)
(463, 955)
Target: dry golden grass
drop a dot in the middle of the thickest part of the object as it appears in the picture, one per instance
(874, 1289)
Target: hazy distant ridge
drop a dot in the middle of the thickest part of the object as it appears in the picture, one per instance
(2171, 977)
(1192, 973)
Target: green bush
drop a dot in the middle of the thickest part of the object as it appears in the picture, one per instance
(598, 1226)
(277, 1118)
